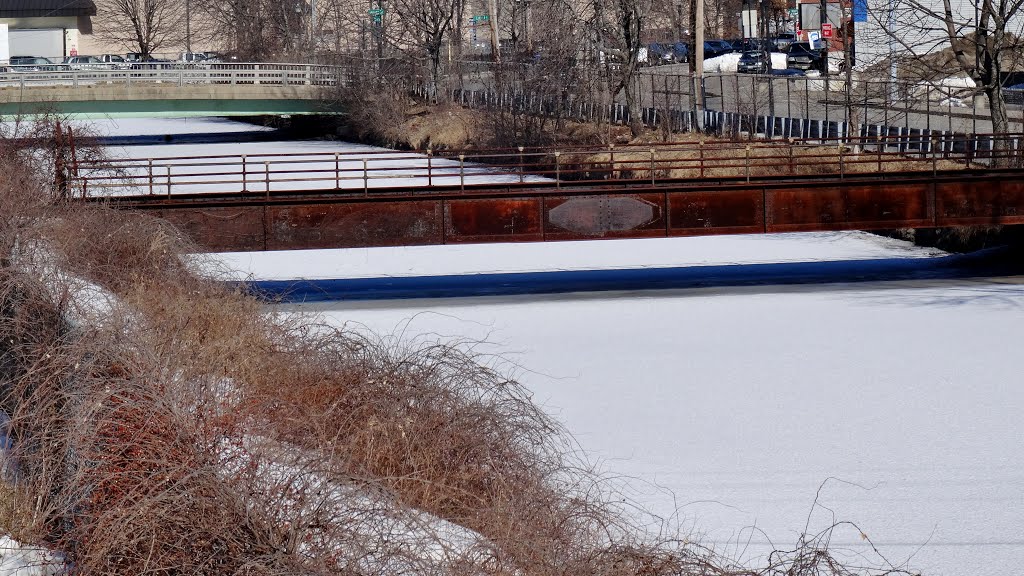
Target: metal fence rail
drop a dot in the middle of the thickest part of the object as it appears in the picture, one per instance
(180, 75)
(691, 163)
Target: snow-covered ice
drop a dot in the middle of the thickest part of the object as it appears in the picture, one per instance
(743, 401)
(610, 254)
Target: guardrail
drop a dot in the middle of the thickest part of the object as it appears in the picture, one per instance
(177, 74)
(695, 162)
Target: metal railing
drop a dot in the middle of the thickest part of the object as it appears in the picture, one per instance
(692, 163)
(170, 73)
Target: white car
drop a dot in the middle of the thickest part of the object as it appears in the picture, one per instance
(86, 63)
(115, 61)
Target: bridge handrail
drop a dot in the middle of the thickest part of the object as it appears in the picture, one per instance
(254, 73)
(382, 169)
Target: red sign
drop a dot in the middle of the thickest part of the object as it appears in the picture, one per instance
(826, 30)
(74, 52)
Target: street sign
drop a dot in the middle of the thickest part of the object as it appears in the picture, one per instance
(826, 30)
(376, 15)
(813, 38)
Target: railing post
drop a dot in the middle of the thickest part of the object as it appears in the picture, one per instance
(842, 169)
(245, 174)
(366, 176)
(168, 180)
(935, 161)
(266, 176)
(746, 163)
(522, 166)
(700, 155)
(150, 176)
(256, 74)
(558, 170)
(430, 167)
(611, 161)
(652, 165)
(879, 145)
(792, 144)
(462, 172)
(337, 171)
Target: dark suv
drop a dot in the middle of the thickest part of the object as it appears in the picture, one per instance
(802, 57)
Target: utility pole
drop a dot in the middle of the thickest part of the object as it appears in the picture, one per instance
(822, 20)
(698, 65)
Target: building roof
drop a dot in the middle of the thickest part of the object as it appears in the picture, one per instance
(43, 8)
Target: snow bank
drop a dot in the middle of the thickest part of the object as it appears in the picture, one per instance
(725, 63)
(17, 559)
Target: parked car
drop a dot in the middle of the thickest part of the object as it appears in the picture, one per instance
(31, 64)
(192, 57)
(751, 44)
(802, 57)
(658, 53)
(714, 48)
(783, 40)
(151, 63)
(754, 62)
(86, 63)
(681, 52)
(115, 60)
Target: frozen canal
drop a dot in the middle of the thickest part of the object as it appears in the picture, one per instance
(728, 408)
(731, 407)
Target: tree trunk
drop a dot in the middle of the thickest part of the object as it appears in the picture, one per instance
(1000, 125)
(636, 124)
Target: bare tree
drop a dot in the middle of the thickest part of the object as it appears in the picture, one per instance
(143, 26)
(261, 29)
(426, 24)
(620, 28)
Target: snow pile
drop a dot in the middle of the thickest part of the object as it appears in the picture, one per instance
(403, 539)
(17, 559)
(726, 63)
(950, 91)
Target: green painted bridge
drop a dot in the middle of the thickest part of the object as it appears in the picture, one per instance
(171, 91)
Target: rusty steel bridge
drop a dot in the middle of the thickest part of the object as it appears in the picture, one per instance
(338, 200)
